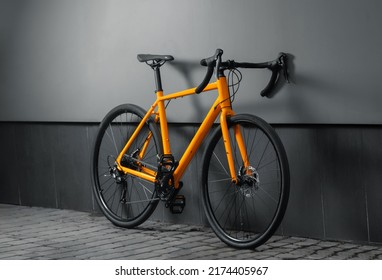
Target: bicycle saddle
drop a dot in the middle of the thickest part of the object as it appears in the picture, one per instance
(154, 57)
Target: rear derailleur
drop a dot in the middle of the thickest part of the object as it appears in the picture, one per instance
(120, 180)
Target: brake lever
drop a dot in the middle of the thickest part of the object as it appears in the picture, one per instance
(283, 62)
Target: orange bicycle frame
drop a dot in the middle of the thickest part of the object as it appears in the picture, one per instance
(221, 105)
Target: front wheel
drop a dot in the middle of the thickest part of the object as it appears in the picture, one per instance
(247, 213)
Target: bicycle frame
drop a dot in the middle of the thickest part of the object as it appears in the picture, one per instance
(221, 105)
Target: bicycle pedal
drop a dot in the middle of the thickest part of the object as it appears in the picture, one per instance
(178, 204)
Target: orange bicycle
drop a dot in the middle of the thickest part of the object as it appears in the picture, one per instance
(245, 174)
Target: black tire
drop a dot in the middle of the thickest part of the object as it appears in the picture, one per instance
(247, 214)
(125, 200)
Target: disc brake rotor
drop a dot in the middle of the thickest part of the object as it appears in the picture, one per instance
(249, 181)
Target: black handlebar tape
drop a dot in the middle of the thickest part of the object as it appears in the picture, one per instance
(206, 79)
(250, 65)
(212, 59)
(210, 62)
(272, 82)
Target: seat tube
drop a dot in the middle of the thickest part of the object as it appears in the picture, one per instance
(163, 124)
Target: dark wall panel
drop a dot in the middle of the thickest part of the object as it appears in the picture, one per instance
(36, 165)
(342, 182)
(9, 172)
(371, 179)
(335, 175)
(305, 201)
(72, 166)
(47, 165)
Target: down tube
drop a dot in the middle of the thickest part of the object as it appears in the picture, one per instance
(196, 141)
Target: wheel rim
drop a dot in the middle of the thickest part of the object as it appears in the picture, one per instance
(246, 212)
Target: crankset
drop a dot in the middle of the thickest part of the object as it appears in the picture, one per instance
(165, 185)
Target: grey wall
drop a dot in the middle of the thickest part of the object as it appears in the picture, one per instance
(74, 60)
(64, 64)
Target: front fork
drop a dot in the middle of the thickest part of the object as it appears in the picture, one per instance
(224, 119)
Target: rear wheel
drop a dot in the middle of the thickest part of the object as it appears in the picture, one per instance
(246, 214)
(126, 201)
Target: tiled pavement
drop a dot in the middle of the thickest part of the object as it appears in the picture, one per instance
(39, 233)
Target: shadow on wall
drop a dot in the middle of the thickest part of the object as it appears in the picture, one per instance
(187, 68)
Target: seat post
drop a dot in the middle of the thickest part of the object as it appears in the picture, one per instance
(158, 81)
(155, 61)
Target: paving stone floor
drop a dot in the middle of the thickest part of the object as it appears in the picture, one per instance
(41, 233)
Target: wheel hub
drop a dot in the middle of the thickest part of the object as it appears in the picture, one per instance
(249, 181)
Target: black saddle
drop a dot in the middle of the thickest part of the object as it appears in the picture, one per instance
(154, 57)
